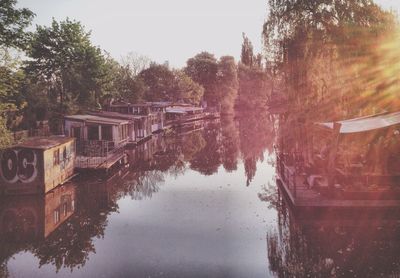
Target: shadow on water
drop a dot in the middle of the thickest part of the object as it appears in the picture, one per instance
(61, 228)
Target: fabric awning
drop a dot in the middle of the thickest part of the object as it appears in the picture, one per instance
(364, 124)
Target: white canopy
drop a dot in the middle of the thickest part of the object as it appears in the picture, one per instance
(366, 123)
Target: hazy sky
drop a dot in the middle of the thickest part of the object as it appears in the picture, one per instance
(172, 30)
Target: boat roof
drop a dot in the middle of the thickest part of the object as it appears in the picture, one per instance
(160, 104)
(116, 115)
(96, 119)
(44, 143)
(183, 109)
(368, 123)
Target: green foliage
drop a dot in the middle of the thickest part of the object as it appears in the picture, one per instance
(254, 87)
(219, 79)
(319, 46)
(64, 58)
(5, 135)
(164, 84)
(126, 85)
(254, 82)
(246, 56)
(159, 80)
(185, 89)
(11, 78)
(13, 22)
(227, 83)
(203, 69)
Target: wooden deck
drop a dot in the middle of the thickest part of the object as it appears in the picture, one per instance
(306, 197)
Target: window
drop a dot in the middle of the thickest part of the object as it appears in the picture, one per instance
(76, 132)
(106, 133)
(125, 131)
(56, 216)
(64, 156)
(56, 157)
(93, 133)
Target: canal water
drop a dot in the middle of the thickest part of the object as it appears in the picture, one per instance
(200, 201)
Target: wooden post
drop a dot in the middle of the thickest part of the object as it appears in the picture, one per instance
(333, 153)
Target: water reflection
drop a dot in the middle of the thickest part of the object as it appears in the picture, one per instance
(30, 222)
(333, 242)
(61, 228)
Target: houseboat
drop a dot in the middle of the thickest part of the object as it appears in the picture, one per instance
(155, 111)
(37, 165)
(139, 126)
(349, 163)
(100, 141)
(179, 114)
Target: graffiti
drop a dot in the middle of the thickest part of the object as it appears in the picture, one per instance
(19, 165)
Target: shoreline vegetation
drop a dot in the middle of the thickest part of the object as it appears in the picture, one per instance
(65, 74)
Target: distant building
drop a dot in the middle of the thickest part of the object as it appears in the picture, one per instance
(154, 110)
(176, 115)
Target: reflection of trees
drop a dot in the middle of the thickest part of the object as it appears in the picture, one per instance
(334, 243)
(25, 221)
(192, 143)
(208, 159)
(71, 244)
(145, 184)
(230, 143)
(270, 195)
(256, 136)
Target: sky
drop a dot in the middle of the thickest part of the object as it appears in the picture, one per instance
(165, 30)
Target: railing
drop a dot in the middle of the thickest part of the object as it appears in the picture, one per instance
(287, 171)
(22, 134)
(96, 153)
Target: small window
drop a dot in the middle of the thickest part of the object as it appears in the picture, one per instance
(56, 216)
(56, 157)
(76, 132)
(93, 133)
(64, 157)
(106, 133)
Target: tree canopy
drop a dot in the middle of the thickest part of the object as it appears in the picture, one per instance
(13, 22)
(320, 46)
(203, 69)
(63, 57)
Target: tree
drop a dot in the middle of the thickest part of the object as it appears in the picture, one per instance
(203, 69)
(164, 84)
(321, 46)
(11, 78)
(186, 89)
(126, 85)
(64, 58)
(5, 136)
(13, 22)
(254, 87)
(227, 83)
(159, 81)
(246, 56)
(135, 62)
